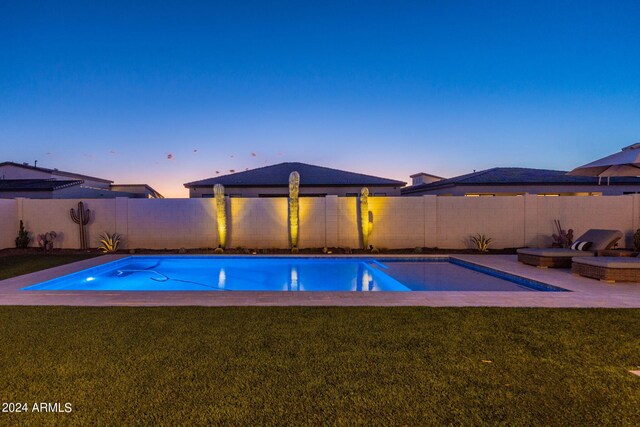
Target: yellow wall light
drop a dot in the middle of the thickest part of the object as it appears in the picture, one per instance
(221, 213)
(294, 209)
(366, 224)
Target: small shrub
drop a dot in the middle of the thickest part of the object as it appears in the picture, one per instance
(109, 242)
(45, 241)
(218, 250)
(481, 242)
(182, 251)
(417, 250)
(23, 239)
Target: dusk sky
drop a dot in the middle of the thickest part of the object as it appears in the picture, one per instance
(166, 93)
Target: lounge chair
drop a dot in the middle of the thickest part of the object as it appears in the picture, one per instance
(608, 269)
(561, 257)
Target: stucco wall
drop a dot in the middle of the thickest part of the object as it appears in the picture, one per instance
(9, 223)
(398, 222)
(41, 216)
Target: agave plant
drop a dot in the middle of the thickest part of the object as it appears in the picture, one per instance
(481, 242)
(109, 242)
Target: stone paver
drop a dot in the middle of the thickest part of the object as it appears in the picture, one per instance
(584, 292)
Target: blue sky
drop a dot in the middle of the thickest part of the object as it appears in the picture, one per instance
(166, 93)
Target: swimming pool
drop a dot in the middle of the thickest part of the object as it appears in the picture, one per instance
(222, 274)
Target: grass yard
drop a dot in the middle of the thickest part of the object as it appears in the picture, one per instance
(312, 366)
(16, 265)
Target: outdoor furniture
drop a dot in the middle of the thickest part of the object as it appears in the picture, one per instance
(608, 269)
(561, 257)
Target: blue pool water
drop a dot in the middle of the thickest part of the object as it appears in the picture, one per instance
(222, 274)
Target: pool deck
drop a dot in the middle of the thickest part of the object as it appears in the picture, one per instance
(585, 292)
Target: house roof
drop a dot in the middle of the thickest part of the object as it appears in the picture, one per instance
(55, 171)
(310, 175)
(148, 187)
(517, 176)
(36, 184)
(425, 174)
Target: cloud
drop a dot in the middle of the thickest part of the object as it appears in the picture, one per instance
(253, 154)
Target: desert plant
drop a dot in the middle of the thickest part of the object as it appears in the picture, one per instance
(636, 240)
(562, 238)
(366, 224)
(23, 239)
(45, 241)
(294, 209)
(82, 219)
(221, 211)
(109, 242)
(481, 242)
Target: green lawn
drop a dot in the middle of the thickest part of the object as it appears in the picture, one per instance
(312, 366)
(15, 265)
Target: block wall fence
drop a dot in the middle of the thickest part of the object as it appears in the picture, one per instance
(398, 222)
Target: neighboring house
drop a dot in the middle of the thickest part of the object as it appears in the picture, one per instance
(519, 181)
(424, 178)
(24, 180)
(273, 181)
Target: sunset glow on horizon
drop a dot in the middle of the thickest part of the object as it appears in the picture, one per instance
(188, 91)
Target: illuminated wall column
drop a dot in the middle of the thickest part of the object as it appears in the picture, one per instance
(221, 215)
(294, 209)
(366, 225)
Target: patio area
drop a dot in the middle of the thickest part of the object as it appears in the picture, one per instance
(584, 293)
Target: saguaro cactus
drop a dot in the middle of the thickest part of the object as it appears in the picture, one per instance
(365, 222)
(82, 219)
(294, 188)
(221, 211)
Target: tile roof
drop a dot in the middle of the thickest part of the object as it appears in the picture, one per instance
(35, 184)
(310, 175)
(518, 176)
(55, 171)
